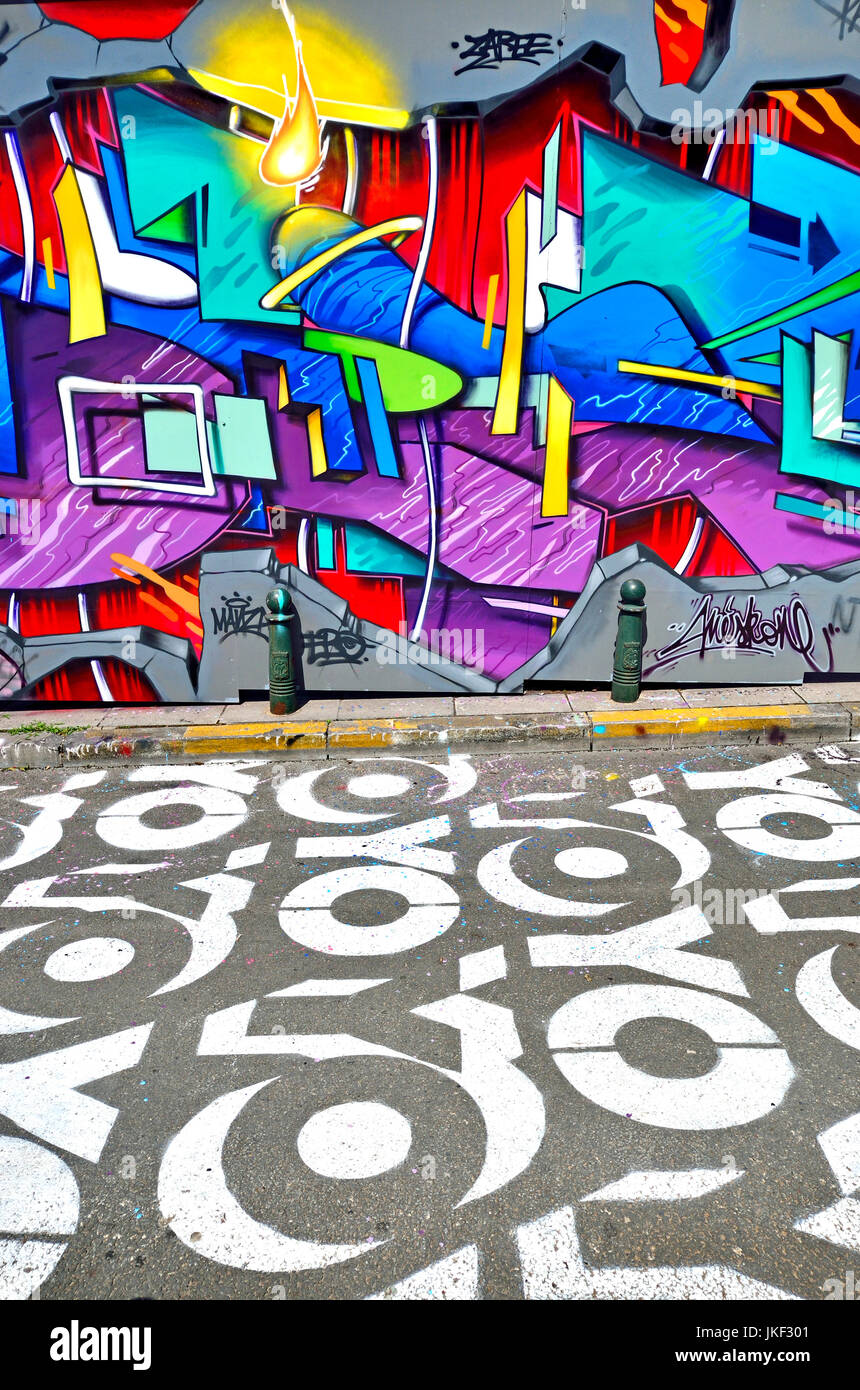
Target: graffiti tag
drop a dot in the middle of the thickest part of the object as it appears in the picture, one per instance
(331, 646)
(239, 619)
(499, 46)
(715, 627)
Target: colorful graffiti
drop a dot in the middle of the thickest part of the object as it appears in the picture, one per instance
(447, 338)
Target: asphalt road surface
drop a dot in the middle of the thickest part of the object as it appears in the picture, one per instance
(489, 1027)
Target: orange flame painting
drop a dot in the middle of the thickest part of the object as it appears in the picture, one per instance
(294, 154)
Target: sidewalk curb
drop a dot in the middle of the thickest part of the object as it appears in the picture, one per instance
(624, 727)
(673, 728)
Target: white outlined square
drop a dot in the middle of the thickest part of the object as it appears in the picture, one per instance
(67, 386)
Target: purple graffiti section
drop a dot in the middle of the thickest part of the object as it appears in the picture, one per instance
(82, 527)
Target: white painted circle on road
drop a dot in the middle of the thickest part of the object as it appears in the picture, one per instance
(591, 863)
(220, 810)
(378, 784)
(306, 916)
(358, 1140)
(92, 959)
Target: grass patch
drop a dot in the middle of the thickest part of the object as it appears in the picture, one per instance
(41, 728)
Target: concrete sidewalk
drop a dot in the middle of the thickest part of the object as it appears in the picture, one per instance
(581, 719)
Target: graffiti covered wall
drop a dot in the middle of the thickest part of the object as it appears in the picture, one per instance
(447, 323)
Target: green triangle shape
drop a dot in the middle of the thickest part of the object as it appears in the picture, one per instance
(176, 225)
(767, 359)
(774, 359)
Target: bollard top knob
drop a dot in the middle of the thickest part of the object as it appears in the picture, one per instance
(278, 600)
(632, 591)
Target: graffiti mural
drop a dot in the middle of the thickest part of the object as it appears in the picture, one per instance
(445, 325)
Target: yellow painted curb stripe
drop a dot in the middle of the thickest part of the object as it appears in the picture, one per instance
(220, 738)
(277, 727)
(711, 719)
(380, 731)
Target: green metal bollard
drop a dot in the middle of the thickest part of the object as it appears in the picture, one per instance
(282, 672)
(627, 671)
